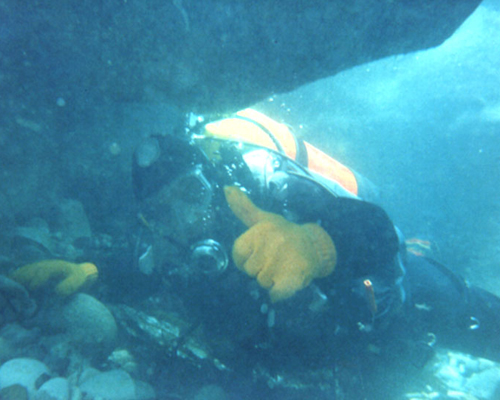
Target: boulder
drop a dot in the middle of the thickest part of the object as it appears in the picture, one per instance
(209, 55)
(83, 321)
(87, 321)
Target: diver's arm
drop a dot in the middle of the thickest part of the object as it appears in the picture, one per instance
(363, 234)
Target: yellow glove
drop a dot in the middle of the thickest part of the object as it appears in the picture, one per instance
(284, 257)
(72, 276)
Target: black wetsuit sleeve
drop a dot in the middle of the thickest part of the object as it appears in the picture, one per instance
(364, 236)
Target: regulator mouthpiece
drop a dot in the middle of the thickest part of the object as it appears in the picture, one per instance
(209, 256)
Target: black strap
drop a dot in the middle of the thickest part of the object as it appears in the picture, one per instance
(267, 131)
(301, 156)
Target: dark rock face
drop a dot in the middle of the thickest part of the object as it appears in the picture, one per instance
(204, 55)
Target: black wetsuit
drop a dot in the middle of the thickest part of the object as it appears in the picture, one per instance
(417, 297)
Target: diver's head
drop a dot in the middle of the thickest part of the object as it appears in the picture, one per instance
(172, 181)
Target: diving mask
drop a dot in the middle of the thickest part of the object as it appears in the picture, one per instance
(181, 211)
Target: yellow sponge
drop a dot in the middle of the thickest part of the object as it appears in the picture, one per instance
(72, 276)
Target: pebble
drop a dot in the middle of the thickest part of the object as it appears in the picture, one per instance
(55, 389)
(110, 385)
(144, 391)
(14, 392)
(86, 374)
(26, 372)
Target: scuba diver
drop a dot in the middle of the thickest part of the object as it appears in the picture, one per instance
(268, 259)
(282, 256)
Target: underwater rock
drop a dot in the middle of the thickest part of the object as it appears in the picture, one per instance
(15, 301)
(35, 241)
(452, 376)
(211, 55)
(82, 321)
(86, 374)
(165, 334)
(123, 359)
(110, 385)
(15, 340)
(54, 389)
(144, 391)
(485, 384)
(7, 351)
(210, 392)
(73, 222)
(467, 376)
(76, 394)
(14, 392)
(87, 321)
(26, 372)
(32, 242)
(7, 217)
(62, 357)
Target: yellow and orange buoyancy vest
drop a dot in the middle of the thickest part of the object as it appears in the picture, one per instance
(252, 127)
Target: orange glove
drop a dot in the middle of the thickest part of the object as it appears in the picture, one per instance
(284, 257)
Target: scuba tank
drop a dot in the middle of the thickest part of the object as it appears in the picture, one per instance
(252, 128)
